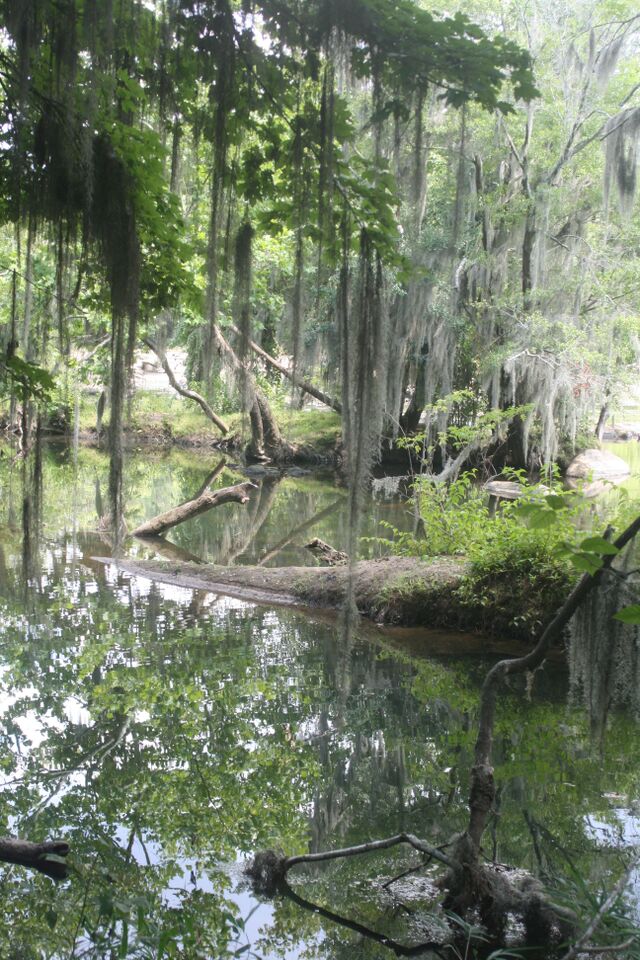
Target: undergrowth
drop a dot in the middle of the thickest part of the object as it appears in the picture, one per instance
(522, 561)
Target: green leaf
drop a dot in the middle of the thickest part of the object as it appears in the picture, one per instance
(630, 614)
(556, 501)
(586, 562)
(599, 545)
(542, 519)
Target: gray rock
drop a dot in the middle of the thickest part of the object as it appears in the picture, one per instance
(598, 465)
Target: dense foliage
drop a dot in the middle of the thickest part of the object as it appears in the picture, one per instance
(305, 174)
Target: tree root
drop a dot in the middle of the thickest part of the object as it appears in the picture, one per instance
(497, 894)
(489, 892)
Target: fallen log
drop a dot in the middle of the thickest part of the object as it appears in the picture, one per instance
(394, 591)
(401, 590)
(193, 508)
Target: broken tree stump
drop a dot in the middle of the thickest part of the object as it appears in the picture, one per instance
(193, 508)
(327, 554)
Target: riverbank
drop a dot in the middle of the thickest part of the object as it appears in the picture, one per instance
(391, 591)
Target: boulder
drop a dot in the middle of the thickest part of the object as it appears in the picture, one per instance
(598, 465)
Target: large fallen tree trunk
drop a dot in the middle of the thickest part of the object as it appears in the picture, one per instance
(297, 381)
(184, 391)
(400, 590)
(193, 508)
(44, 857)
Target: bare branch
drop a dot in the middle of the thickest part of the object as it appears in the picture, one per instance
(399, 949)
(184, 391)
(371, 847)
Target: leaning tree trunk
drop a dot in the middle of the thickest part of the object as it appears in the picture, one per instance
(604, 416)
(275, 445)
(193, 508)
(266, 440)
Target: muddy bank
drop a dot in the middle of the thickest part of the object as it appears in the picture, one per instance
(400, 591)
(397, 590)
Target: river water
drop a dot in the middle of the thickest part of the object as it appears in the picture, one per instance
(169, 734)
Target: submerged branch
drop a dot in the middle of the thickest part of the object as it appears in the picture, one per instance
(399, 949)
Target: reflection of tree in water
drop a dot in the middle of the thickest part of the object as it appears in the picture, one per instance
(238, 538)
(209, 732)
(604, 653)
(31, 507)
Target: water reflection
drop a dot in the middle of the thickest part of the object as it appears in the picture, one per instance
(168, 734)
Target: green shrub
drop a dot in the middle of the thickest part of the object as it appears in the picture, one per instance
(522, 562)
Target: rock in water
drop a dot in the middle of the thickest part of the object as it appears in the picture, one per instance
(598, 465)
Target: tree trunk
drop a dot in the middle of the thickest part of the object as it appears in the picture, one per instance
(602, 420)
(528, 246)
(266, 439)
(255, 447)
(193, 508)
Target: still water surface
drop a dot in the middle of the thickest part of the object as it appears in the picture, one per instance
(169, 734)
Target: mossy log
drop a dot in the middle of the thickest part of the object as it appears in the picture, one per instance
(392, 591)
